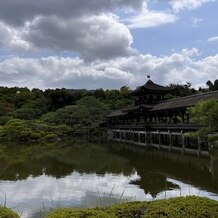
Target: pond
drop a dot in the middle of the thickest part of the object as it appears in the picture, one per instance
(35, 178)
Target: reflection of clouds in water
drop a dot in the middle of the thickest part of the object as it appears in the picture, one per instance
(35, 193)
(82, 190)
(185, 190)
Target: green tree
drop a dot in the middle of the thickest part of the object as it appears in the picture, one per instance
(100, 93)
(212, 86)
(85, 116)
(182, 90)
(16, 129)
(205, 113)
(124, 90)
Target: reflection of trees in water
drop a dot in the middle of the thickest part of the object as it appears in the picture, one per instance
(188, 169)
(154, 183)
(154, 167)
(19, 162)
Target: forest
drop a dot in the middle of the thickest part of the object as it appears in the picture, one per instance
(51, 114)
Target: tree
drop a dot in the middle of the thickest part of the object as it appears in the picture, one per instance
(182, 90)
(86, 115)
(205, 113)
(124, 90)
(16, 129)
(212, 86)
(99, 93)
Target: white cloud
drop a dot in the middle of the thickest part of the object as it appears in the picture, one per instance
(213, 39)
(179, 5)
(75, 73)
(11, 37)
(94, 37)
(147, 18)
(59, 72)
(196, 21)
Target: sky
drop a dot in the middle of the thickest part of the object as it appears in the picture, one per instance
(107, 43)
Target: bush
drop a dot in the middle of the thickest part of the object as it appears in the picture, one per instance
(183, 207)
(51, 137)
(35, 136)
(172, 208)
(7, 213)
(75, 213)
(213, 138)
(128, 210)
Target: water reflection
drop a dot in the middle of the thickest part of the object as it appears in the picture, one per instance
(154, 167)
(36, 178)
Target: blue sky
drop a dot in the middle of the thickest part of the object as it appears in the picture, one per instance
(107, 43)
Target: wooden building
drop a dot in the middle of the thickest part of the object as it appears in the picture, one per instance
(157, 121)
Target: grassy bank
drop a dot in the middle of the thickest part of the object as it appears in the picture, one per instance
(7, 213)
(190, 207)
(175, 207)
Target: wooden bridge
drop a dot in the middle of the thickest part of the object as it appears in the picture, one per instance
(161, 139)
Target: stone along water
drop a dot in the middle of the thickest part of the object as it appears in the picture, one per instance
(35, 178)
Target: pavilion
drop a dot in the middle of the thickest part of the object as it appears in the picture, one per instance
(157, 120)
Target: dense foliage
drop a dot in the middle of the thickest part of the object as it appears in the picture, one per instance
(206, 113)
(172, 208)
(48, 115)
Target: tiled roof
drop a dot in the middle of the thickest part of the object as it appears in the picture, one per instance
(117, 113)
(151, 86)
(134, 108)
(185, 101)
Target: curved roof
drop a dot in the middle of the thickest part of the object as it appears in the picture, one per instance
(117, 113)
(187, 101)
(138, 107)
(151, 86)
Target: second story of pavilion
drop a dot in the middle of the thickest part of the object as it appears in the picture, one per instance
(150, 93)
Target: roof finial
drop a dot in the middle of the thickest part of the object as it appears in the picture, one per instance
(148, 76)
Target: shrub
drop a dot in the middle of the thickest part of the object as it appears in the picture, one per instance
(7, 213)
(179, 207)
(213, 137)
(51, 137)
(76, 213)
(128, 210)
(183, 207)
(35, 136)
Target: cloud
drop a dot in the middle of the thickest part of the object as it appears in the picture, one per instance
(68, 72)
(179, 5)
(196, 21)
(94, 37)
(86, 27)
(11, 37)
(59, 72)
(148, 18)
(213, 39)
(18, 12)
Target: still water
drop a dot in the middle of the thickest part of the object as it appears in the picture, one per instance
(37, 178)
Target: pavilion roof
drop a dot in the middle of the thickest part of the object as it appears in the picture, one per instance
(138, 107)
(117, 113)
(151, 86)
(187, 101)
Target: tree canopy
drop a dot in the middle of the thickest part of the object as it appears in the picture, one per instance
(206, 114)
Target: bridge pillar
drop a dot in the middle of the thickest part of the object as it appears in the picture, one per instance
(170, 141)
(183, 142)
